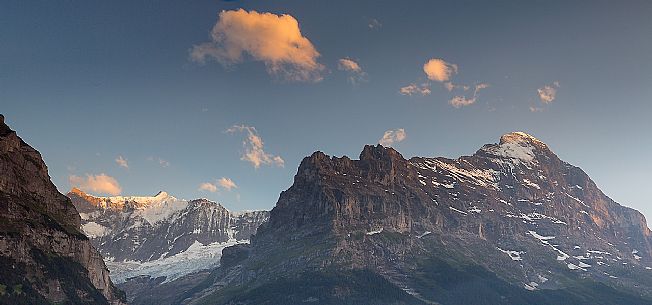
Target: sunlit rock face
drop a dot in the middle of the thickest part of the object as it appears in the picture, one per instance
(160, 235)
(44, 257)
(511, 224)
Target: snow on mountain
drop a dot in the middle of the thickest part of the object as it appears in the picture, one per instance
(197, 257)
(161, 235)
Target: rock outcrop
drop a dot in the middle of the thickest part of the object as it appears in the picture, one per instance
(44, 257)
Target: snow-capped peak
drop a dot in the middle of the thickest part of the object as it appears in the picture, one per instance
(151, 208)
(517, 146)
(519, 137)
(143, 201)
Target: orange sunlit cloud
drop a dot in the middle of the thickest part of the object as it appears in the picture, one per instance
(276, 40)
(439, 70)
(99, 184)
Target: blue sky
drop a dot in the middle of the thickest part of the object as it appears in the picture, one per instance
(88, 81)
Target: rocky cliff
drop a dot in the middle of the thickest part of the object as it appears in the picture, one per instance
(510, 224)
(45, 258)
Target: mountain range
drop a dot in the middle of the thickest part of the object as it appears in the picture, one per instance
(510, 224)
(161, 238)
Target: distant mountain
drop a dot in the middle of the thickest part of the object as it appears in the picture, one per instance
(44, 257)
(511, 224)
(161, 236)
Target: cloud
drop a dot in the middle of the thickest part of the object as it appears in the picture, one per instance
(346, 64)
(224, 183)
(122, 162)
(461, 101)
(160, 161)
(275, 40)
(439, 70)
(450, 86)
(227, 183)
(392, 136)
(254, 152)
(548, 93)
(536, 109)
(423, 89)
(356, 74)
(374, 24)
(98, 184)
(163, 163)
(207, 187)
(481, 86)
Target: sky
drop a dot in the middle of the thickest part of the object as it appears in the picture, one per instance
(223, 99)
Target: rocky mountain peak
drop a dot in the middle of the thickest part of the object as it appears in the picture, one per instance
(519, 148)
(519, 137)
(3, 127)
(381, 153)
(40, 238)
(381, 163)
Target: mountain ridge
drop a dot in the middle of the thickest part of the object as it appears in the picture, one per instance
(525, 225)
(40, 239)
(149, 241)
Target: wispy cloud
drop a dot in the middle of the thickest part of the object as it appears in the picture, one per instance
(392, 136)
(275, 40)
(461, 101)
(226, 183)
(223, 183)
(441, 71)
(548, 93)
(207, 187)
(122, 162)
(254, 151)
(162, 162)
(98, 184)
(423, 89)
(374, 24)
(356, 74)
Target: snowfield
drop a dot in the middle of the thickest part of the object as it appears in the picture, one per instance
(196, 258)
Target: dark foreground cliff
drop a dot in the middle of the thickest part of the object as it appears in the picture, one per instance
(44, 257)
(511, 224)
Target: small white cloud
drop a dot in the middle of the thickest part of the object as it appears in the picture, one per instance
(275, 40)
(548, 93)
(374, 24)
(439, 70)
(356, 74)
(461, 101)
(254, 151)
(423, 89)
(481, 86)
(226, 183)
(122, 162)
(347, 64)
(163, 163)
(98, 184)
(208, 187)
(536, 109)
(392, 136)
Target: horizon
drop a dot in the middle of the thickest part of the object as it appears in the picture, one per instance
(133, 98)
